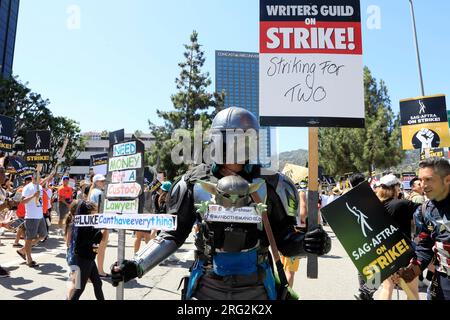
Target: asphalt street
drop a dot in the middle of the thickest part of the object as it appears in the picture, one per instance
(337, 275)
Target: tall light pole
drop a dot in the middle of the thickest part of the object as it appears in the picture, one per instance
(417, 48)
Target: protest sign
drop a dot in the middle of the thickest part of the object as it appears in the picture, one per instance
(217, 213)
(6, 133)
(433, 153)
(20, 167)
(37, 147)
(311, 67)
(127, 162)
(123, 190)
(123, 176)
(406, 179)
(99, 163)
(116, 137)
(424, 123)
(141, 222)
(127, 207)
(368, 233)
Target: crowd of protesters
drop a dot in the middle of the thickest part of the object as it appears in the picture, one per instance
(29, 212)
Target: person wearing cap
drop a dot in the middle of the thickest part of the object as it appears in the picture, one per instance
(65, 198)
(402, 211)
(416, 194)
(96, 195)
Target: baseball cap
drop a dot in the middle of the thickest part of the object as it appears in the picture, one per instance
(166, 186)
(98, 177)
(389, 180)
(66, 178)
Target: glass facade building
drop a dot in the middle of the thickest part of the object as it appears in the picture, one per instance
(237, 74)
(9, 11)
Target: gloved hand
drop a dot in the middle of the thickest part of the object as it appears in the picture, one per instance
(410, 272)
(317, 241)
(125, 272)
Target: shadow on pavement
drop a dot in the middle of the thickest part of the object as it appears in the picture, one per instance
(29, 294)
(48, 268)
(330, 257)
(9, 283)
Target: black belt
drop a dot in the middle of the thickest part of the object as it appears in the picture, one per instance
(239, 280)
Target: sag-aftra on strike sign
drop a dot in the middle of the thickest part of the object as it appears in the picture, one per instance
(311, 68)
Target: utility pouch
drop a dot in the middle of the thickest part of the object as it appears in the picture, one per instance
(234, 239)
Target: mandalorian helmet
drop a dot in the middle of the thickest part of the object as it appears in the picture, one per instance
(234, 137)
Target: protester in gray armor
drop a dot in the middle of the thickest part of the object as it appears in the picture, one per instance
(232, 259)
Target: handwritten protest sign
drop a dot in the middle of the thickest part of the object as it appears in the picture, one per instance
(311, 67)
(368, 233)
(142, 222)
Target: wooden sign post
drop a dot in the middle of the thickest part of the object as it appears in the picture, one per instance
(313, 195)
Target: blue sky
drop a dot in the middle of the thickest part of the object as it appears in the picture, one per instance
(119, 66)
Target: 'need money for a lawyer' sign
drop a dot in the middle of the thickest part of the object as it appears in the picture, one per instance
(368, 233)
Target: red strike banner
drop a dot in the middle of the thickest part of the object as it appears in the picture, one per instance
(321, 37)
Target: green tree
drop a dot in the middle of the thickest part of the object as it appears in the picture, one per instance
(63, 128)
(30, 112)
(192, 103)
(28, 109)
(377, 145)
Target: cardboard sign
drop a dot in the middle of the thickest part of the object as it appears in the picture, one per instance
(144, 222)
(217, 213)
(116, 137)
(311, 66)
(126, 176)
(368, 233)
(406, 179)
(37, 147)
(123, 190)
(424, 123)
(433, 153)
(99, 163)
(127, 207)
(124, 149)
(6, 133)
(123, 176)
(124, 163)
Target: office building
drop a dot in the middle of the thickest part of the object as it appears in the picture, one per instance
(237, 73)
(9, 11)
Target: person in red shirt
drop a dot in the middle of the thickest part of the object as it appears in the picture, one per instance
(65, 198)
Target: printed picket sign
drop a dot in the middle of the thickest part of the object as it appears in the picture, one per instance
(368, 233)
